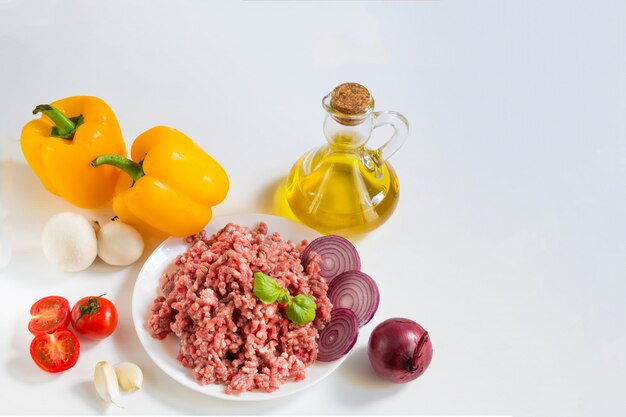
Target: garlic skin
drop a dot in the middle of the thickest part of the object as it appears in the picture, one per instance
(105, 381)
(129, 376)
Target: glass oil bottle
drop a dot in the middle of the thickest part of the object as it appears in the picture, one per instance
(343, 187)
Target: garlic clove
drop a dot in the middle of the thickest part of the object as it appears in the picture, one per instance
(105, 381)
(129, 376)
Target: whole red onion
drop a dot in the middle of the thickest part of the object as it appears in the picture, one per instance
(399, 350)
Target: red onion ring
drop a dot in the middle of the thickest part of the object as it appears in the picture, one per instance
(356, 291)
(339, 335)
(337, 253)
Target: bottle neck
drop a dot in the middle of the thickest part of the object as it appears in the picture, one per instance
(347, 132)
(347, 137)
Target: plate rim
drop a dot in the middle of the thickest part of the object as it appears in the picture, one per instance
(142, 331)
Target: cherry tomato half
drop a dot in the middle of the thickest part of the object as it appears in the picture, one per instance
(49, 315)
(55, 352)
(94, 317)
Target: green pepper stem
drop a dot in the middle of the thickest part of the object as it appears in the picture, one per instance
(130, 167)
(65, 127)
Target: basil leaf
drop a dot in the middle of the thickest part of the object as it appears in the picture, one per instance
(283, 298)
(265, 288)
(301, 309)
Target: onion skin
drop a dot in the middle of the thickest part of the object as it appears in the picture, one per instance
(400, 350)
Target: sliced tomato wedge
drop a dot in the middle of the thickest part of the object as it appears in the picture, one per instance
(55, 352)
(49, 315)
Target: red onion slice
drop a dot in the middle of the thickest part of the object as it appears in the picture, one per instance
(356, 291)
(339, 335)
(337, 253)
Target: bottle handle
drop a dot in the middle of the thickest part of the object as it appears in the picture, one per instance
(400, 126)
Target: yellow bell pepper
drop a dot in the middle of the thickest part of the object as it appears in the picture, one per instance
(171, 183)
(60, 146)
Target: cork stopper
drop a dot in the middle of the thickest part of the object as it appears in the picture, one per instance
(350, 98)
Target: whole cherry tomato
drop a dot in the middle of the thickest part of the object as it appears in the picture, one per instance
(94, 317)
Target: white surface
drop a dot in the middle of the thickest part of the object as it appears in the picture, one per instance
(508, 244)
(164, 352)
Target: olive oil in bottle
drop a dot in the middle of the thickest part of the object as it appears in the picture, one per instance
(343, 187)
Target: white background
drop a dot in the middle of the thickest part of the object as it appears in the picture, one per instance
(508, 244)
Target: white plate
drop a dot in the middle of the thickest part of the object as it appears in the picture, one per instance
(164, 352)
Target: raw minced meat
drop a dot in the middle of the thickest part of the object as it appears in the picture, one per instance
(227, 335)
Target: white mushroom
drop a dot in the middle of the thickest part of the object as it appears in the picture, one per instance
(119, 243)
(69, 241)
